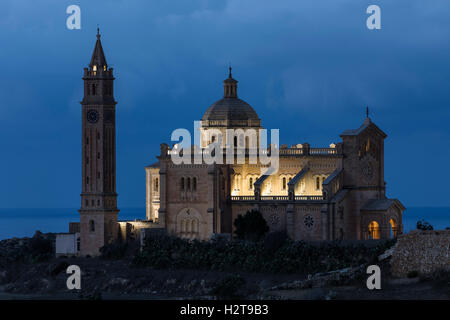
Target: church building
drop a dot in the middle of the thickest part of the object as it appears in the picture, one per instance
(326, 193)
(331, 193)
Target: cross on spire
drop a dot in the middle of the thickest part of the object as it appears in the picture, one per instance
(229, 86)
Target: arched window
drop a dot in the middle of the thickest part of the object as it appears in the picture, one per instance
(188, 184)
(374, 230)
(91, 225)
(284, 183)
(235, 141)
(194, 183)
(182, 183)
(317, 183)
(94, 89)
(188, 225)
(250, 183)
(213, 138)
(323, 179)
(393, 228)
(194, 225)
(156, 186)
(87, 180)
(183, 225)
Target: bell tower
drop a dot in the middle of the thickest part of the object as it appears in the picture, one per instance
(98, 212)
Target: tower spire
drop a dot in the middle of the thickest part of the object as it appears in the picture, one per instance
(98, 56)
(367, 111)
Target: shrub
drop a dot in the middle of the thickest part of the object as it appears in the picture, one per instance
(39, 248)
(274, 241)
(229, 287)
(271, 255)
(423, 225)
(251, 226)
(113, 251)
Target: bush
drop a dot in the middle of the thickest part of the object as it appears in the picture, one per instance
(275, 254)
(423, 225)
(274, 241)
(39, 248)
(229, 287)
(252, 226)
(113, 251)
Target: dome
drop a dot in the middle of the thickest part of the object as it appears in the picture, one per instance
(230, 109)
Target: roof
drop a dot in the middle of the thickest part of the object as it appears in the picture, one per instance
(332, 176)
(98, 56)
(339, 196)
(298, 176)
(153, 165)
(261, 179)
(366, 124)
(230, 109)
(381, 204)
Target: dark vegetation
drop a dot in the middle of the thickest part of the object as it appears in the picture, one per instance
(113, 251)
(251, 226)
(229, 287)
(423, 225)
(275, 253)
(255, 250)
(39, 248)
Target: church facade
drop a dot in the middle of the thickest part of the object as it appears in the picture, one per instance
(331, 193)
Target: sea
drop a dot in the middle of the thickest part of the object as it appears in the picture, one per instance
(25, 222)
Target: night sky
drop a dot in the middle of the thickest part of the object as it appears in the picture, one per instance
(307, 67)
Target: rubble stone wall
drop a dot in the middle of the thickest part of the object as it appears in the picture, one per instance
(421, 251)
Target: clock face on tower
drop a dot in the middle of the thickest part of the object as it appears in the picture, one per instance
(92, 116)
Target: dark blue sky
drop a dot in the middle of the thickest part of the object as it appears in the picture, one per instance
(307, 67)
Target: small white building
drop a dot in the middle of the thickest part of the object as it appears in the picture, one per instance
(67, 244)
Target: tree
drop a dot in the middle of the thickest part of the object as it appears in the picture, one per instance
(423, 225)
(251, 226)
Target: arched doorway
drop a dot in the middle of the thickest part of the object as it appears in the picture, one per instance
(393, 229)
(374, 230)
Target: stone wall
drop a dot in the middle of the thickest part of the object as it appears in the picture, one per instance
(421, 251)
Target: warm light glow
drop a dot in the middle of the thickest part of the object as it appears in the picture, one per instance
(374, 230)
(393, 228)
(94, 68)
